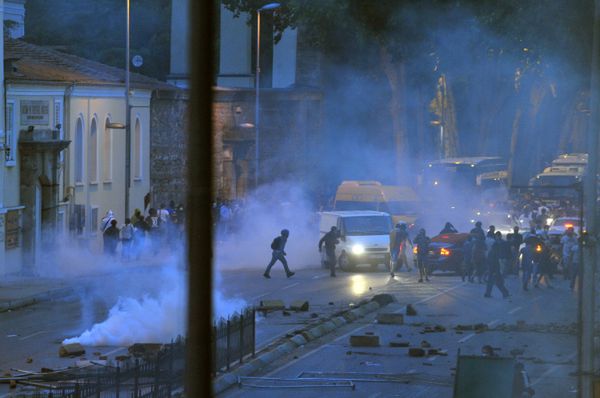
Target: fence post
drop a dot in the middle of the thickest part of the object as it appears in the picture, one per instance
(253, 332)
(170, 375)
(227, 357)
(98, 385)
(117, 381)
(156, 377)
(136, 375)
(241, 337)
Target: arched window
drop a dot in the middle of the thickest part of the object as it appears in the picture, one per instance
(93, 153)
(107, 152)
(79, 151)
(137, 150)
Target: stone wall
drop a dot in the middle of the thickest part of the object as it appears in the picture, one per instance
(169, 127)
(290, 121)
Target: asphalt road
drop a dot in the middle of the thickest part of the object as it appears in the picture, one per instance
(522, 322)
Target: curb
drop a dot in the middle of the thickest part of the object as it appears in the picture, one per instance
(36, 298)
(230, 379)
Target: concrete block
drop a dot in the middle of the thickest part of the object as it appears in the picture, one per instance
(399, 344)
(299, 305)
(299, 340)
(390, 318)
(410, 310)
(286, 348)
(328, 326)
(416, 352)
(350, 316)
(383, 299)
(364, 341)
(271, 305)
(68, 350)
(317, 331)
(339, 321)
(372, 306)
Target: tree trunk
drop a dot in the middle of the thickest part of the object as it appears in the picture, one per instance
(396, 76)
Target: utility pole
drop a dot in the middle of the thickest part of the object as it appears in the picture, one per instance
(587, 275)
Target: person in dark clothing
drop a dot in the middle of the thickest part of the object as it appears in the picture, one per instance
(278, 247)
(422, 243)
(544, 265)
(330, 239)
(494, 270)
(504, 253)
(448, 229)
(491, 233)
(111, 238)
(399, 241)
(140, 227)
(516, 240)
(467, 268)
(478, 251)
(527, 262)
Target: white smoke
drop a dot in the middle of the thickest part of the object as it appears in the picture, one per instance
(151, 306)
(244, 241)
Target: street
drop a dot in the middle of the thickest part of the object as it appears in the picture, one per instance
(535, 325)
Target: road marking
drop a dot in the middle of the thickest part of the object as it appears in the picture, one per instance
(514, 310)
(552, 369)
(493, 323)
(259, 296)
(289, 286)
(301, 357)
(115, 350)
(466, 338)
(33, 335)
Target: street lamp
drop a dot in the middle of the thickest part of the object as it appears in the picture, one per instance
(266, 7)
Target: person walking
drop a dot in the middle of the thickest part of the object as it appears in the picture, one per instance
(467, 266)
(399, 241)
(278, 247)
(494, 270)
(422, 243)
(127, 234)
(527, 263)
(574, 261)
(567, 241)
(330, 239)
(544, 265)
(516, 240)
(111, 238)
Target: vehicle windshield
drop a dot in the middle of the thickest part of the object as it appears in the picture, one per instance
(398, 207)
(566, 223)
(355, 205)
(556, 180)
(367, 225)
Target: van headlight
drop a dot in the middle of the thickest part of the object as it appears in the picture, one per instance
(358, 249)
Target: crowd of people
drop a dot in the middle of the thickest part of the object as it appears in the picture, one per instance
(142, 233)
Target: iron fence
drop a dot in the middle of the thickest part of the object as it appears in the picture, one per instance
(233, 339)
(150, 375)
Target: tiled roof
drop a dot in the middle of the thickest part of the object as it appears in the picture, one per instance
(28, 63)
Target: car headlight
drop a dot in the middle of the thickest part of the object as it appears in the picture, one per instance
(549, 220)
(358, 249)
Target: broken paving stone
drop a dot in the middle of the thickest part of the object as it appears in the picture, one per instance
(286, 313)
(314, 315)
(410, 310)
(13, 384)
(97, 353)
(383, 299)
(425, 344)
(271, 305)
(399, 344)
(299, 305)
(331, 303)
(29, 360)
(398, 335)
(364, 341)
(432, 351)
(103, 357)
(439, 328)
(416, 352)
(46, 370)
(71, 350)
(390, 318)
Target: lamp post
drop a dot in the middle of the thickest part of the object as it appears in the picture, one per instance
(266, 7)
(127, 117)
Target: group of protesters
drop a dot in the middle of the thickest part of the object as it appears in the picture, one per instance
(143, 232)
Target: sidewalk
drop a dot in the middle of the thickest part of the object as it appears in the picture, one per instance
(17, 292)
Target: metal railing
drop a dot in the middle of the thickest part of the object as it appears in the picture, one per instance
(233, 339)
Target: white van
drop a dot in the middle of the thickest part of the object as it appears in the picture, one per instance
(364, 237)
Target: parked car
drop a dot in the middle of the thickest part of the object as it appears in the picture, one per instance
(364, 237)
(446, 252)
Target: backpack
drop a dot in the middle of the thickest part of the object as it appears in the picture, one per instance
(275, 243)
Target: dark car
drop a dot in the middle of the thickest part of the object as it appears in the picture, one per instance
(446, 252)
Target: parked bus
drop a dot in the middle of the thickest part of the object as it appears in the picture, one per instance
(459, 173)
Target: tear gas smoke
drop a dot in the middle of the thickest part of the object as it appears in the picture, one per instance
(244, 240)
(150, 304)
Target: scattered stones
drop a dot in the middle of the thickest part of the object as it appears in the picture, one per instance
(144, 349)
(432, 351)
(383, 299)
(271, 305)
(427, 364)
(29, 360)
(331, 303)
(398, 335)
(364, 341)
(103, 357)
(390, 319)
(286, 313)
(122, 358)
(314, 315)
(399, 344)
(410, 310)
(13, 384)
(97, 354)
(71, 350)
(299, 305)
(46, 370)
(416, 352)
(425, 344)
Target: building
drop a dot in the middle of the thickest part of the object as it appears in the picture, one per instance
(64, 162)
